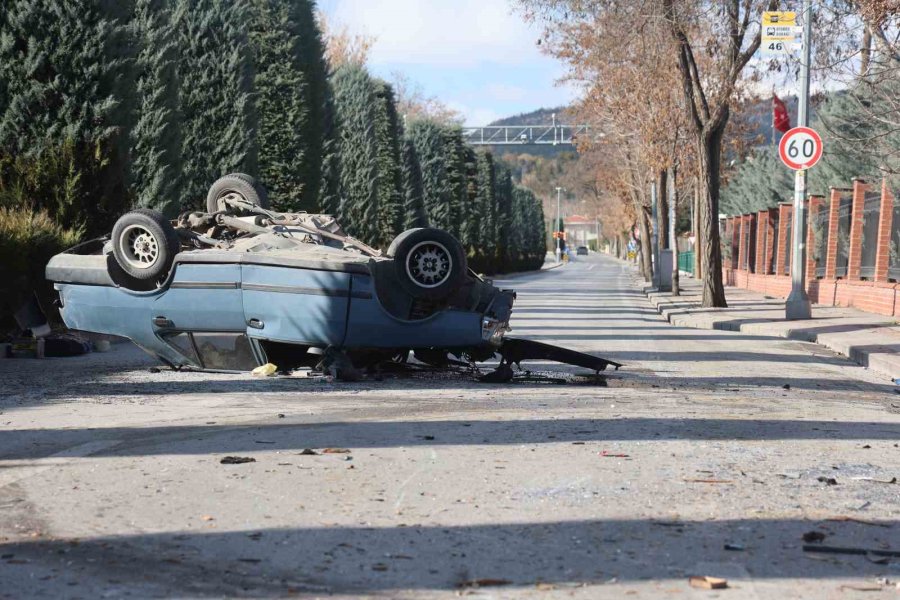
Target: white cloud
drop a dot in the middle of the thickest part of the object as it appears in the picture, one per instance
(440, 32)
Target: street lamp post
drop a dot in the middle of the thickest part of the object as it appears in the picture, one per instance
(558, 232)
(797, 305)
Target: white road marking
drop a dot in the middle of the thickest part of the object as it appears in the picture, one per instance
(10, 472)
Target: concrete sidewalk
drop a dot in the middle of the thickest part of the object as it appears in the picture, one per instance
(871, 340)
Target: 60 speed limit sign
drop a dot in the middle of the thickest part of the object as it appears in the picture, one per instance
(800, 148)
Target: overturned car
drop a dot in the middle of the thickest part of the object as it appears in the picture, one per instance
(240, 286)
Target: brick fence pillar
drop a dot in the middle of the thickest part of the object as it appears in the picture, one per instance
(832, 245)
(854, 256)
(783, 258)
(813, 207)
(885, 222)
(743, 250)
(762, 243)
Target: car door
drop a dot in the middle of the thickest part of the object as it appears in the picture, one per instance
(295, 305)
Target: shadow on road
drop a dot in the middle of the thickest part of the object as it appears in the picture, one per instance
(276, 562)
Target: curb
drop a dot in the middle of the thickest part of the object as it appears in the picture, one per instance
(861, 345)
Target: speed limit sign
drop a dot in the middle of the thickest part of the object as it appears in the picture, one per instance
(800, 148)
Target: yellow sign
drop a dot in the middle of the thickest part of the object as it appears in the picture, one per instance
(779, 18)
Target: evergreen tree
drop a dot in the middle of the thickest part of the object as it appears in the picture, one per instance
(354, 101)
(155, 173)
(457, 182)
(485, 208)
(428, 141)
(854, 136)
(216, 84)
(387, 135)
(761, 181)
(413, 207)
(289, 80)
(504, 196)
(64, 68)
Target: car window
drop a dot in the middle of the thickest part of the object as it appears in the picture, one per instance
(182, 343)
(226, 351)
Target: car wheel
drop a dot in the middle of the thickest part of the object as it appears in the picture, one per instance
(430, 263)
(144, 244)
(236, 183)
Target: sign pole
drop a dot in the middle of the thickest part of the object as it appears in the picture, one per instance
(654, 235)
(798, 305)
(558, 222)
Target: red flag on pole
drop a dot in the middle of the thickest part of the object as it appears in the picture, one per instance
(780, 119)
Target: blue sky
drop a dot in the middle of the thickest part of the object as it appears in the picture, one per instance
(478, 56)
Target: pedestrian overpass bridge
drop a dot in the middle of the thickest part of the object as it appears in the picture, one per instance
(523, 135)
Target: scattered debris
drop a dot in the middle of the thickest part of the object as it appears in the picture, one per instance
(843, 518)
(814, 537)
(266, 370)
(379, 567)
(237, 460)
(827, 480)
(607, 454)
(708, 481)
(336, 451)
(790, 475)
(875, 479)
(425, 437)
(860, 588)
(483, 582)
(280, 415)
(708, 583)
(308, 452)
(735, 547)
(207, 518)
(844, 550)
(878, 560)
(786, 386)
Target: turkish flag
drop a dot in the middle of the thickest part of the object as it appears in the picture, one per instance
(780, 119)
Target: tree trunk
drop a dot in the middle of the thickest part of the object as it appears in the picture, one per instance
(698, 262)
(710, 156)
(646, 249)
(662, 208)
(865, 52)
(673, 229)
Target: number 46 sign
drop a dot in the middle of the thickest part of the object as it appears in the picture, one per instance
(800, 148)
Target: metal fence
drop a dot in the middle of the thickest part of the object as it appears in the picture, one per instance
(845, 213)
(686, 261)
(789, 231)
(894, 263)
(871, 210)
(772, 259)
(820, 238)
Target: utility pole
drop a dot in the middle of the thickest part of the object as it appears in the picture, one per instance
(558, 221)
(797, 305)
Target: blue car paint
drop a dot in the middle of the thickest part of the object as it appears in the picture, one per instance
(370, 325)
(292, 305)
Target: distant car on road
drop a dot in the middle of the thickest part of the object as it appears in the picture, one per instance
(582, 251)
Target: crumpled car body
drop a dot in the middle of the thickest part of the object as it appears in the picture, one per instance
(238, 308)
(241, 286)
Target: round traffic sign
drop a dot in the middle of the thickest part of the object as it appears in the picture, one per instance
(800, 148)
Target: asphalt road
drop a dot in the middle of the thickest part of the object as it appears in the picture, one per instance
(111, 483)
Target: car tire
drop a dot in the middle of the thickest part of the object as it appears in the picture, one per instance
(430, 263)
(239, 183)
(144, 245)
